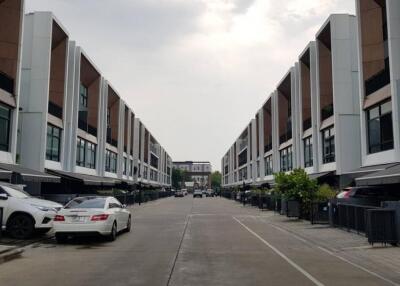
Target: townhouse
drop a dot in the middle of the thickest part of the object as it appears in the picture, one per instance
(312, 119)
(65, 128)
(199, 172)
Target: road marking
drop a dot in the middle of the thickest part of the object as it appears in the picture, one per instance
(287, 259)
(359, 266)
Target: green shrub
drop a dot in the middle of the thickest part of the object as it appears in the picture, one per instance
(324, 193)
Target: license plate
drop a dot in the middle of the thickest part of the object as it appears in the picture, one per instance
(78, 219)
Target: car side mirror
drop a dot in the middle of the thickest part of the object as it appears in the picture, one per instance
(3, 197)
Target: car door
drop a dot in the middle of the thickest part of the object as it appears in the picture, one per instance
(123, 213)
(116, 208)
(4, 205)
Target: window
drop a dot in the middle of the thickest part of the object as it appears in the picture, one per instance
(85, 153)
(131, 168)
(5, 121)
(328, 145)
(258, 169)
(308, 152)
(286, 159)
(268, 165)
(53, 143)
(83, 96)
(380, 128)
(111, 162)
(243, 174)
(139, 171)
(145, 172)
(125, 172)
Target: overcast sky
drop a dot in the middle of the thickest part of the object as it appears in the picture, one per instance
(194, 71)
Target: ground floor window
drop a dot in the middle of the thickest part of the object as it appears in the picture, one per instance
(85, 153)
(380, 127)
(243, 174)
(5, 122)
(53, 143)
(308, 152)
(328, 145)
(145, 172)
(111, 162)
(286, 159)
(268, 165)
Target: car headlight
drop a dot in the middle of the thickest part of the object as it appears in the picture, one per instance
(44, 209)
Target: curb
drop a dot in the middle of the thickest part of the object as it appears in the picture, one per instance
(10, 254)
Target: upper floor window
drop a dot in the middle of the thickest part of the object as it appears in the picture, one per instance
(83, 96)
(53, 143)
(380, 127)
(268, 166)
(308, 152)
(328, 145)
(111, 161)
(5, 122)
(85, 153)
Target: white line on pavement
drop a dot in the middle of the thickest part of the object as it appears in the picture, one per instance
(288, 260)
(359, 266)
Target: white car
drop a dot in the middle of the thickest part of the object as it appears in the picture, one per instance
(24, 215)
(90, 216)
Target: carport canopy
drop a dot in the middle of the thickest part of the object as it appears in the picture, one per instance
(89, 180)
(28, 175)
(387, 176)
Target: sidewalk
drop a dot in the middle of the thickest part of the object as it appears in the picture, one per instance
(348, 246)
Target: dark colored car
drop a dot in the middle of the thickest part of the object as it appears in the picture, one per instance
(368, 195)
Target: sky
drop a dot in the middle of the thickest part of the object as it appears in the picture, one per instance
(194, 71)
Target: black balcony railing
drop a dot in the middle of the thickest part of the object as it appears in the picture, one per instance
(285, 137)
(6, 83)
(55, 110)
(92, 130)
(267, 147)
(326, 112)
(377, 81)
(83, 125)
(306, 124)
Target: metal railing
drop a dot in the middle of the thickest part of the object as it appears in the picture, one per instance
(306, 124)
(55, 110)
(381, 226)
(377, 81)
(326, 112)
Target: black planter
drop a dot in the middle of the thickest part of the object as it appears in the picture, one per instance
(293, 208)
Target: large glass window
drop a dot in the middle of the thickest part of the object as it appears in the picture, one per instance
(111, 162)
(125, 172)
(85, 153)
(286, 159)
(83, 96)
(268, 165)
(328, 145)
(5, 121)
(380, 128)
(308, 152)
(53, 143)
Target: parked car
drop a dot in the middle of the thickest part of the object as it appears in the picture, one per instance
(197, 193)
(179, 194)
(372, 195)
(210, 193)
(185, 192)
(94, 215)
(23, 215)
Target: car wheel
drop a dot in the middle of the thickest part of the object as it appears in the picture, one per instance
(21, 226)
(129, 225)
(113, 234)
(61, 238)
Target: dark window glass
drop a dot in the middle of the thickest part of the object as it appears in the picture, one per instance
(85, 153)
(53, 143)
(83, 96)
(328, 145)
(380, 128)
(86, 203)
(308, 152)
(111, 162)
(286, 159)
(268, 165)
(5, 121)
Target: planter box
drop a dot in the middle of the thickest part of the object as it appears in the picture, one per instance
(293, 208)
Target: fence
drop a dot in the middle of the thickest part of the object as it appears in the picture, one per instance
(319, 213)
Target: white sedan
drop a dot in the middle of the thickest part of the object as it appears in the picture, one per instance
(90, 216)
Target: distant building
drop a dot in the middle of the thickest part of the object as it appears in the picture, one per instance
(199, 172)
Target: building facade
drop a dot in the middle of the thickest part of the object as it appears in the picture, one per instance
(198, 171)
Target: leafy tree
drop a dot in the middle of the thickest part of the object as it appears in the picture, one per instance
(216, 179)
(179, 177)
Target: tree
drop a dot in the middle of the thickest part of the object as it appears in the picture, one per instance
(179, 177)
(216, 179)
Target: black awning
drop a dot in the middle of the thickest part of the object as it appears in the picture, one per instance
(363, 171)
(317, 176)
(28, 175)
(5, 175)
(387, 176)
(89, 180)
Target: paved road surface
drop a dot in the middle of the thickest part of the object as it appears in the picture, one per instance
(186, 241)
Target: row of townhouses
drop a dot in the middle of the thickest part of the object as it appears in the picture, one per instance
(336, 111)
(63, 127)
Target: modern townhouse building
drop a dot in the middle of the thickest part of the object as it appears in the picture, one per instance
(11, 34)
(379, 60)
(312, 119)
(198, 171)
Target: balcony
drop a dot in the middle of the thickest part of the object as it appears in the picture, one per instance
(268, 147)
(377, 81)
(154, 148)
(327, 112)
(6, 83)
(83, 125)
(109, 138)
(55, 110)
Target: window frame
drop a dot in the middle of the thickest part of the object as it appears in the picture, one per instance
(49, 152)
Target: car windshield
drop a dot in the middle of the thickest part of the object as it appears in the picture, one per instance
(19, 194)
(85, 203)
